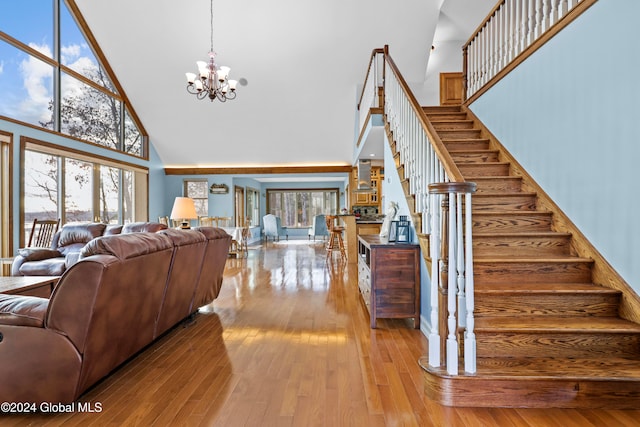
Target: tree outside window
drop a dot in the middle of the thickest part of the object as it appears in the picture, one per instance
(198, 190)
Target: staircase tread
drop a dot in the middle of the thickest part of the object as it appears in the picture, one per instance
(532, 288)
(503, 193)
(556, 324)
(546, 259)
(523, 234)
(536, 368)
(482, 150)
(512, 212)
(465, 139)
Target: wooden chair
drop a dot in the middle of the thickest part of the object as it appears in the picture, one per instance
(246, 234)
(164, 220)
(42, 232)
(223, 221)
(205, 221)
(335, 237)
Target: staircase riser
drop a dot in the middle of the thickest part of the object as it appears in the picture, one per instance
(447, 116)
(510, 203)
(553, 344)
(508, 185)
(467, 145)
(551, 304)
(523, 246)
(532, 393)
(439, 109)
(470, 170)
(531, 272)
(489, 156)
(507, 223)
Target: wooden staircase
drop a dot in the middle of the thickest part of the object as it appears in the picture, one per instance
(547, 336)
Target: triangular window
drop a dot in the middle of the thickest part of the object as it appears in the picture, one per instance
(64, 89)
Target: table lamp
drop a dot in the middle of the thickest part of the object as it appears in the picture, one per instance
(184, 210)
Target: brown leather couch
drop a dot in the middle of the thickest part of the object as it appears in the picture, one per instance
(124, 292)
(66, 246)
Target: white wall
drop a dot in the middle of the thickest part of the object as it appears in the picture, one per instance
(570, 116)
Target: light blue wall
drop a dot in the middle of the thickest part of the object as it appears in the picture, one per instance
(156, 171)
(569, 114)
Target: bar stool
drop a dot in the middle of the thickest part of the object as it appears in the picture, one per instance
(335, 237)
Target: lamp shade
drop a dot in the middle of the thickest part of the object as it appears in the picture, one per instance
(184, 209)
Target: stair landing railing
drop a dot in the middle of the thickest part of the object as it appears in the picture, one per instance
(512, 31)
(433, 177)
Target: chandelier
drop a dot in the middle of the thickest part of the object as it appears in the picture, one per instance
(211, 81)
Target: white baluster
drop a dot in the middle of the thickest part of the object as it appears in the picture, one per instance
(553, 12)
(452, 341)
(546, 18)
(470, 337)
(434, 244)
(462, 305)
(563, 8)
(531, 26)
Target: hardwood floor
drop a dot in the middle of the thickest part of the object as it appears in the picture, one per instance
(288, 343)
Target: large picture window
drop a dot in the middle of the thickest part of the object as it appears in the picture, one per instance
(78, 187)
(296, 208)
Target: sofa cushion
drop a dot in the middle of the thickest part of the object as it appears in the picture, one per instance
(80, 233)
(113, 229)
(22, 310)
(137, 227)
(45, 267)
(37, 254)
(212, 233)
(126, 246)
(183, 237)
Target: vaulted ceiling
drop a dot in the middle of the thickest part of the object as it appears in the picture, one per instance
(304, 62)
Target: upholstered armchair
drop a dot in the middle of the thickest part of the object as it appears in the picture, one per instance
(273, 227)
(318, 227)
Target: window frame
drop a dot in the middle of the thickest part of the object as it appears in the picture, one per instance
(139, 198)
(185, 192)
(296, 196)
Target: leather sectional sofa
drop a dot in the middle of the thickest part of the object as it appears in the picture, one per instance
(125, 291)
(66, 245)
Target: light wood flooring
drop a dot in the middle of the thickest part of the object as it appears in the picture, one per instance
(288, 343)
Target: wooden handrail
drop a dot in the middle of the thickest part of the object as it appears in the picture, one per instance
(443, 154)
(374, 53)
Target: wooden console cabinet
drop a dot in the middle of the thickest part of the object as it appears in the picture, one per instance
(389, 278)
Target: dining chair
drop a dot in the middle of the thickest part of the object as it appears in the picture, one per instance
(42, 232)
(205, 221)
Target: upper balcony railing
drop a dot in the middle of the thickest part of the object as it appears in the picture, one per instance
(512, 32)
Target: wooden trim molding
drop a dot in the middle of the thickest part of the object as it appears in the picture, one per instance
(258, 170)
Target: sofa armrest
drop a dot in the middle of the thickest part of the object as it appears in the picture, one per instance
(38, 254)
(19, 310)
